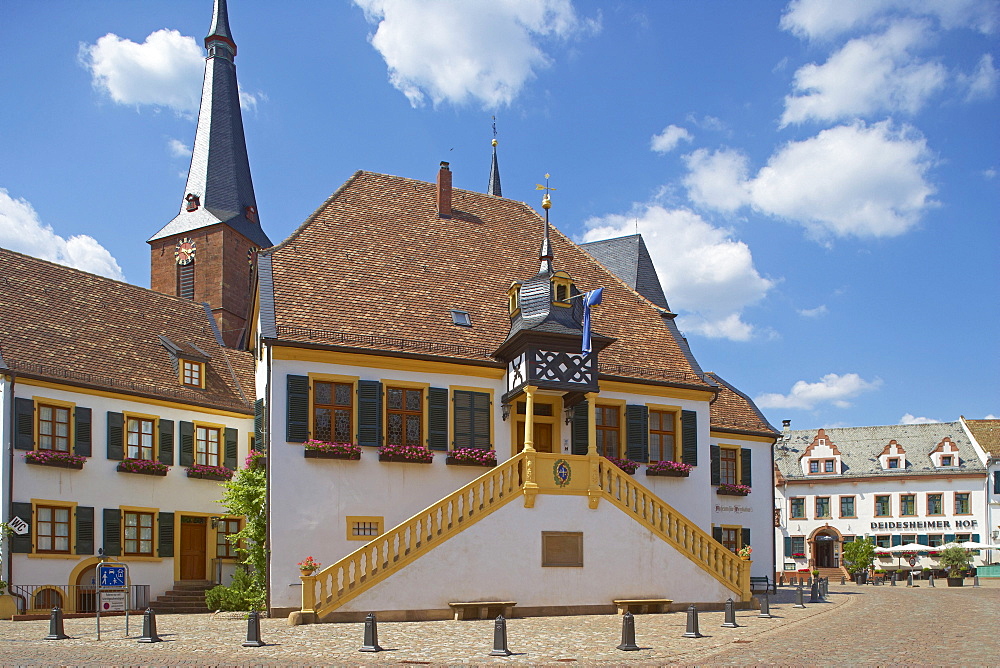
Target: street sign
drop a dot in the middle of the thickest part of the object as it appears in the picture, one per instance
(113, 601)
(913, 561)
(110, 576)
(18, 526)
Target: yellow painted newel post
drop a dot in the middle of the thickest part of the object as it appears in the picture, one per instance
(308, 593)
(530, 485)
(745, 579)
(594, 487)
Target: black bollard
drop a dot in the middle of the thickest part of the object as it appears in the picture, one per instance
(56, 626)
(930, 580)
(909, 579)
(975, 581)
(500, 638)
(253, 631)
(730, 621)
(692, 624)
(371, 635)
(628, 633)
(765, 607)
(893, 583)
(814, 593)
(781, 579)
(149, 627)
(843, 580)
(798, 598)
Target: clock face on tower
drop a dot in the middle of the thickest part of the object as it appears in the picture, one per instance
(184, 252)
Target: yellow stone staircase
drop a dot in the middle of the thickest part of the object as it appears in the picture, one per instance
(330, 588)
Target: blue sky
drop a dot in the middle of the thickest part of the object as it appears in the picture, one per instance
(818, 182)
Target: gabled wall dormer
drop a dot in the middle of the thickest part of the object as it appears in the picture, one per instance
(821, 457)
(945, 455)
(514, 299)
(190, 362)
(892, 457)
(562, 289)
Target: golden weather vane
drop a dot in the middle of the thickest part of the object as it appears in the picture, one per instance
(546, 201)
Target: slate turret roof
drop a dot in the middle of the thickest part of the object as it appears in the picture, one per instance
(629, 259)
(219, 174)
(860, 448)
(70, 327)
(376, 268)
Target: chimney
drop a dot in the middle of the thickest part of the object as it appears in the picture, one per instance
(444, 191)
(786, 425)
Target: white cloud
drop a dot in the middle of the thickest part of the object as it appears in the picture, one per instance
(461, 50)
(831, 389)
(850, 180)
(706, 275)
(164, 71)
(823, 19)
(22, 231)
(249, 101)
(814, 312)
(668, 140)
(909, 418)
(982, 83)
(717, 179)
(178, 149)
(990, 174)
(869, 75)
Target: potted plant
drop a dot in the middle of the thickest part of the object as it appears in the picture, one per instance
(326, 450)
(57, 458)
(308, 566)
(745, 552)
(669, 469)
(626, 465)
(142, 466)
(727, 489)
(859, 556)
(416, 454)
(472, 457)
(206, 472)
(955, 559)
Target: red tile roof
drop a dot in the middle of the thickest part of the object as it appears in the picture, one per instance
(72, 327)
(987, 434)
(375, 263)
(734, 411)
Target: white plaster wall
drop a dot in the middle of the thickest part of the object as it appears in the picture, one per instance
(865, 492)
(754, 511)
(499, 558)
(101, 486)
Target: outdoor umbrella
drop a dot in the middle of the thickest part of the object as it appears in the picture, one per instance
(900, 550)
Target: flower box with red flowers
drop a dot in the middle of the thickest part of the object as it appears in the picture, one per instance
(626, 465)
(411, 454)
(799, 555)
(669, 469)
(725, 489)
(256, 460)
(326, 450)
(142, 467)
(56, 458)
(472, 457)
(206, 472)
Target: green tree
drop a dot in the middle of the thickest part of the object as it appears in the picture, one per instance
(859, 555)
(955, 559)
(244, 495)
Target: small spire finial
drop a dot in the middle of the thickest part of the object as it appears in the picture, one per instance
(546, 253)
(494, 132)
(494, 187)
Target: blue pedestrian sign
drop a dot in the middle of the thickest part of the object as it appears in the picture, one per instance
(110, 576)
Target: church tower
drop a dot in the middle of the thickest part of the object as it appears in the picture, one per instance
(206, 253)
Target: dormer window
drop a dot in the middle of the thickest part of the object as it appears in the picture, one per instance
(561, 293)
(814, 466)
(561, 289)
(893, 463)
(946, 460)
(192, 373)
(461, 318)
(828, 466)
(514, 299)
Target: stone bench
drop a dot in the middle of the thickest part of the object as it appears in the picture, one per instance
(640, 605)
(483, 609)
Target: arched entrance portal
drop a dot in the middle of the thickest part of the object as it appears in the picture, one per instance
(826, 542)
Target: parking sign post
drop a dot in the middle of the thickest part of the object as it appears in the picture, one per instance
(112, 590)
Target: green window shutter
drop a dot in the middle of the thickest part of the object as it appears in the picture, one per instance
(637, 433)
(716, 464)
(975, 538)
(897, 540)
(258, 425)
(923, 539)
(437, 418)
(788, 546)
(112, 532)
(22, 544)
(471, 421)
(580, 429)
(165, 549)
(744, 537)
(116, 436)
(166, 442)
(231, 458)
(369, 413)
(481, 419)
(24, 420)
(717, 533)
(297, 409)
(185, 437)
(949, 538)
(82, 442)
(689, 437)
(996, 482)
(84, 530)
(745, 466)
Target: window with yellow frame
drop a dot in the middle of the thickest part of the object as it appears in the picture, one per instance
(192, 373)
(364, 527)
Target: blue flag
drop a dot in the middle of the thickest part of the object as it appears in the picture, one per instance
(592, 298)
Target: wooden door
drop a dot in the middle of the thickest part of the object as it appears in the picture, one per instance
(542, 440)
(193, 550)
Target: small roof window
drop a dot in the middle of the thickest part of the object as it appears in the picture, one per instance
(461, 318)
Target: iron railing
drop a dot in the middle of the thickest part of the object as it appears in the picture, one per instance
(40, 599)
